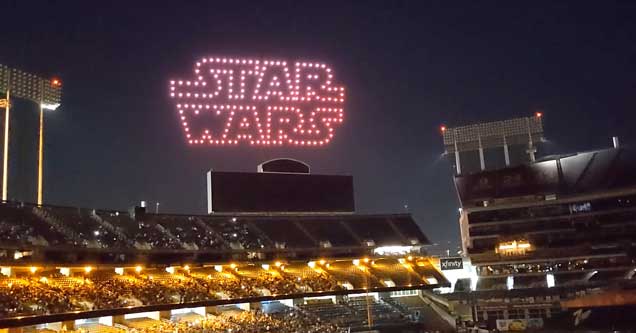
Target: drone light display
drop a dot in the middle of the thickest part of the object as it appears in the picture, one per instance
(233, 101)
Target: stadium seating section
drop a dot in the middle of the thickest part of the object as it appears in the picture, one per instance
(51, 290)
(24, 225)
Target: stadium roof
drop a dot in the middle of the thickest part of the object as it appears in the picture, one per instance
(559, 175)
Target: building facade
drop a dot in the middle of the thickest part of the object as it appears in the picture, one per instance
(545, 231)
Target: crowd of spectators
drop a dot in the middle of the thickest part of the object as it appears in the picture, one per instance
(38, 291)
(51, 292)
(23, 224)
(19, 225)
(290, 321)
(51, 226)
(287, 321)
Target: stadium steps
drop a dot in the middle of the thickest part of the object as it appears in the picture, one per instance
(440, 307)
(429, 316)
(122, 236)
(397, 306)
(351, 232)
(260, 232)
(398, 231)
(57, 225)
(440, 301)
(169, 234)
(211, 230)
(304, 231)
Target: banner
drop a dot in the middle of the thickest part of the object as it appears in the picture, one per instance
(519, 324)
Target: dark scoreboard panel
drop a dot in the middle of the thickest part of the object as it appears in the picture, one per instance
(236, 192)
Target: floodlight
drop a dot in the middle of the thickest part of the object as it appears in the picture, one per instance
(46, 93)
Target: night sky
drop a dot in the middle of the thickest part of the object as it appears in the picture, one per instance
(408, 67)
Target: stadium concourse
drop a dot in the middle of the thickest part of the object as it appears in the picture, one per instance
(98, 270)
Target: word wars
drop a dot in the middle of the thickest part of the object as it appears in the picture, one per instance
(232, 101)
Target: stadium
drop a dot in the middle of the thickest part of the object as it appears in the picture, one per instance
(281, 249)
(243, 265)
(369, 167)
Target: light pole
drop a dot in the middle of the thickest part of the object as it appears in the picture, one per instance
(5, 160)
(44, 92)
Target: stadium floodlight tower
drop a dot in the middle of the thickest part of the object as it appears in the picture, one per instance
(496, 134)
(46, 93)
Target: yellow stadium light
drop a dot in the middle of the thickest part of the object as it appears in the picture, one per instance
(366, 260)
(88, 269)
(311, 264)
(33, 269)
(170, 270)
(119, 270)
(265, 267)
(186, 267)
(514, 247)
(409, 258)
(278, 263)
(138, 268)
(356, 262)
(218, 268)
(233, 266)
(44, 279)
(322, 261)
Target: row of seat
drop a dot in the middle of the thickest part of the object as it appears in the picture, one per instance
(53, 226)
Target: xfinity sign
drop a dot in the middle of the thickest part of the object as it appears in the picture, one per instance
(451, 263)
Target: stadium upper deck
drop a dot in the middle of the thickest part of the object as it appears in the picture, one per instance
(561, 221)
(46, 233)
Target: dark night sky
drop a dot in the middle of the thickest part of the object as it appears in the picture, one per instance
(408, 67)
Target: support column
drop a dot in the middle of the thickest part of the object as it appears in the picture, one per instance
(482, 162)
(69, 324)
(506, 153)
(255, 306)
(458, 166)
(531, 149)
(166, 314)
(119, 319)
